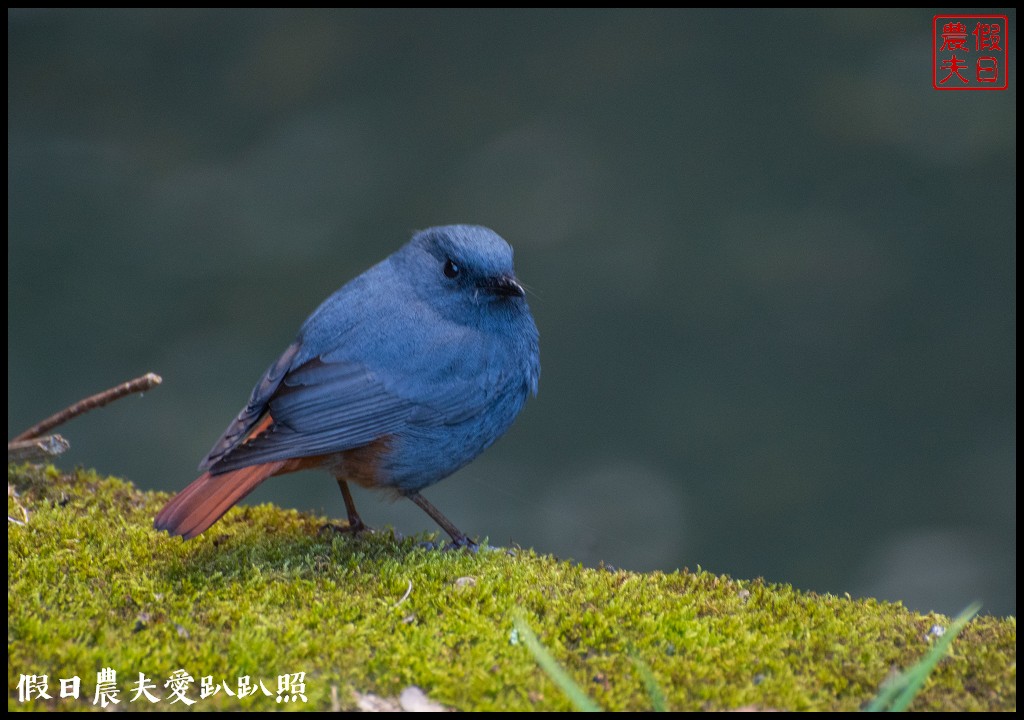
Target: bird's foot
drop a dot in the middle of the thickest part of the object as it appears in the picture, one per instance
(462, 543)
(353, 529)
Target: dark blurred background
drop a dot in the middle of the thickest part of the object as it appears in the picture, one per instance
(772, 267)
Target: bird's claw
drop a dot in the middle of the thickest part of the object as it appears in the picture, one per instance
(353, 529)
(463, 543)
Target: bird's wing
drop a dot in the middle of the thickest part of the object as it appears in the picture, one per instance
(255, 409)
(322, 407)
(334, 402)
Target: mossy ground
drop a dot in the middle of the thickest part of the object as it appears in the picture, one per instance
(265, 592)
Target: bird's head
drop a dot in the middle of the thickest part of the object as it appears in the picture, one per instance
(459, 265)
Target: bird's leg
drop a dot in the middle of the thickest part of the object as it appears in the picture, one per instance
(457, 536)
(355, 523)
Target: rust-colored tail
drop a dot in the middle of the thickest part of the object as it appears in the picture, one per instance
(202, 503)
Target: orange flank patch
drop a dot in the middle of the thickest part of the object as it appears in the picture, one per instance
(359, 465)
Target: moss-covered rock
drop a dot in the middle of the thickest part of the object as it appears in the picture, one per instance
(266, 592)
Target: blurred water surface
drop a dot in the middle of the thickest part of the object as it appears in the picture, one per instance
(773, 269)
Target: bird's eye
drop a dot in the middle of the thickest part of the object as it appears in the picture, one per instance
(451, 270)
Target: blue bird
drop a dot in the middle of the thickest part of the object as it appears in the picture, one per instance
(396, 381)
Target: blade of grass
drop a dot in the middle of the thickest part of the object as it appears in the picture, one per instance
(653, 689)
(549, 665)
(897, 695)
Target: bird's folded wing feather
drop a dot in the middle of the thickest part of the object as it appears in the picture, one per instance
(255, 409)
(321, 408)
(332, 403)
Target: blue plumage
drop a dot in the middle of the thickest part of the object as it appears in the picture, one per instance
(425, 359)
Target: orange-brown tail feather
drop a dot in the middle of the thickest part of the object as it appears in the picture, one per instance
(205, 501)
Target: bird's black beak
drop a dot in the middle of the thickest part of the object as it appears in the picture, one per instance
(502, 286)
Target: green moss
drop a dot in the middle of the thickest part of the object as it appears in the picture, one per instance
(265, 592)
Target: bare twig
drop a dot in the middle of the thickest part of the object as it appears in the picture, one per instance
(36, 448)
(139, 384)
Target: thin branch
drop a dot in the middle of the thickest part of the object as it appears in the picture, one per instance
(36, 448)
(139, 384)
